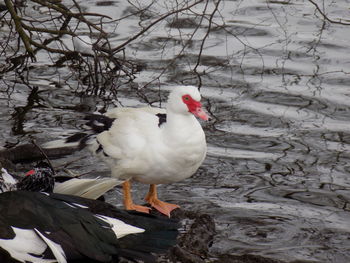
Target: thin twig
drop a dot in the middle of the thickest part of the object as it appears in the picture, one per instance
(44, 154)
(203, 41)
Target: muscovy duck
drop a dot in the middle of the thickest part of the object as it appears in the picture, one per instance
(39, 179)
(46, 228)
(42, 179)
(149, 145)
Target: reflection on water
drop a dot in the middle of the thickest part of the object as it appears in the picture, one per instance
(275, 78)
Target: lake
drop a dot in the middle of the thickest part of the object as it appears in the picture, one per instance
(275, 78)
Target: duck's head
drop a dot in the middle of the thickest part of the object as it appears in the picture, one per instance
(185, 100)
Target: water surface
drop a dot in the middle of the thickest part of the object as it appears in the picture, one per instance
(275, 78)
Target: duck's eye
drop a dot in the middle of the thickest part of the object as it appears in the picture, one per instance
(186, 99)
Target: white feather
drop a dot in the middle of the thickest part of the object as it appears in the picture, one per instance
(25, 245)
(8, 179)
(56, 249)
(80, 205)
(88, 188)
(59, 144)
(120, 228)
(76, 205)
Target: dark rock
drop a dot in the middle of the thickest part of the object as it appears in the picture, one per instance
(195, 239)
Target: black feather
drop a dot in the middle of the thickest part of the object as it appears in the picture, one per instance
(78, 231)
(83, 236)
(99, 123)
(100, 148)
(161, 232)
(84, 141)
(96, 123)
(76, 137)
(6, 258)
(162, 118)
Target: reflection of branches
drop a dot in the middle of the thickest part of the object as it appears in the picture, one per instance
(20, 112)
(326, 17)
(203, 41)
(316, 78)
(195, 22)
(156, 22)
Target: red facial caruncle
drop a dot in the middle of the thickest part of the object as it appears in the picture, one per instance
(195, 107)
(31, 172)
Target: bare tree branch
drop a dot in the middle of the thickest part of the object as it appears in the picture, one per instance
(22, 34)
(105, 67)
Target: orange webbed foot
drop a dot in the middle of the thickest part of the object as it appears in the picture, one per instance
(128, 203)
(162, 207)
(139, 208)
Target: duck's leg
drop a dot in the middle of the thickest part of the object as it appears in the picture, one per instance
(163, 207)
(128, 203)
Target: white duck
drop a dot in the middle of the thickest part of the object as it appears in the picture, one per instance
(150, 145)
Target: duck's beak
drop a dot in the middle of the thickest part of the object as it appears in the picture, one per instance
(200, 113)
(195, 107)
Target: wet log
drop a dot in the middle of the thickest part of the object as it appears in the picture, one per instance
(29, 153)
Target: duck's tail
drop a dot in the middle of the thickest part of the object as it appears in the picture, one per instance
(78, 141)
(95, 124)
